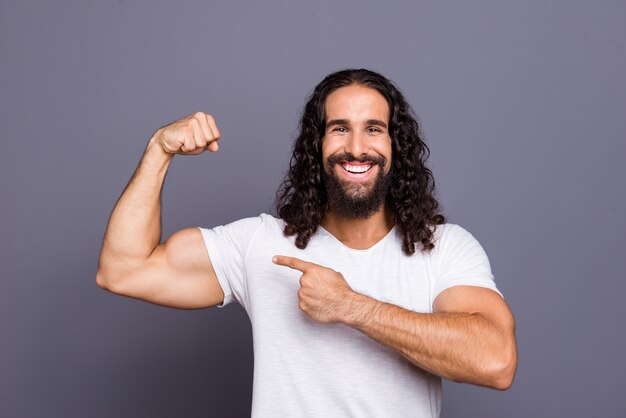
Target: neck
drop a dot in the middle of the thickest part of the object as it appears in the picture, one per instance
(359, 234)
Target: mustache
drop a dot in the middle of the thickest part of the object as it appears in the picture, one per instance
(373, 159)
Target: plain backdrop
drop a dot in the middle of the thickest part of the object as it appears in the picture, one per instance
(523, 106)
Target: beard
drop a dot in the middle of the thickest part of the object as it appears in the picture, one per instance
(355, 199)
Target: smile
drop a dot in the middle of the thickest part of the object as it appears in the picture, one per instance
(356, 168)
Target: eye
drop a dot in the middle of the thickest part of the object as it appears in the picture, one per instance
(374, 130)
(339, 128)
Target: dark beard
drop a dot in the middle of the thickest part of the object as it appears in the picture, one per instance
(350, 200)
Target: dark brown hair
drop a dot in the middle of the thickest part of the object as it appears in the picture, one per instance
(301, 199)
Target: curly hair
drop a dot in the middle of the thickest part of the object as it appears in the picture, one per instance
(301, 199)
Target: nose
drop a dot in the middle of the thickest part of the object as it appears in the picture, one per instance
(356, 144)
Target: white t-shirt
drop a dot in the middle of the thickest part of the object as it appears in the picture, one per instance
(303, 368)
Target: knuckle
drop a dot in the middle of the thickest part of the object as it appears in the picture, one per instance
(198, 115)
(187, 130)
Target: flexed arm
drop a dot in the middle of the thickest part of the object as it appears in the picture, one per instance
(177, 273)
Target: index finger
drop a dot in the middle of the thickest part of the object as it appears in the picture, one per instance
(204, 125)
(292, 262)
(213, 126)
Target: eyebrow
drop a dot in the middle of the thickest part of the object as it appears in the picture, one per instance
(376, 122)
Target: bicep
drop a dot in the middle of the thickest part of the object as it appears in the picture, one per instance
(475, 300)
(177, 274)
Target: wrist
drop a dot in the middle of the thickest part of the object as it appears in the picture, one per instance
(155, 148)
(155, 160)
(154, 143)
(357, 307)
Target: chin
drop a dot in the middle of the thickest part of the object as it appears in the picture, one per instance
(356, 190)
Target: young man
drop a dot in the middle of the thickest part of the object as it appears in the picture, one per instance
(361, 296)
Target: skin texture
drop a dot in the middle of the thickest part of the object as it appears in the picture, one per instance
(343, 143)
(348, 110)
(357, 106)
(176, 273)
(303, 197)
(469, 337)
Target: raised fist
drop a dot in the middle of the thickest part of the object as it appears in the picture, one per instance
(190, 135)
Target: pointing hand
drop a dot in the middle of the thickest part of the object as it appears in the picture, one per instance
(324, 294)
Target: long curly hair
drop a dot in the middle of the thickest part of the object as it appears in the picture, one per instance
(301, 199)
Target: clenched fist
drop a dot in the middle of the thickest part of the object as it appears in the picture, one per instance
(190, 135)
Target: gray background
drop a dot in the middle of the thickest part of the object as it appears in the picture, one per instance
(523, 107)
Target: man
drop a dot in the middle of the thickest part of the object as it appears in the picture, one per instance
(361, 297)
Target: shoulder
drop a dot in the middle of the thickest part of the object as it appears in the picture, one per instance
(448, 236)
(250, 223)
(447, 231)
(271, 224)
(451, 231)
(263, 224)
(241, 233)
(271, 219)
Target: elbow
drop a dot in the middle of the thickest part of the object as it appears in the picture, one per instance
(104, 283)
(503, 381)
(110, 277)
(502, 371)
(101, 281)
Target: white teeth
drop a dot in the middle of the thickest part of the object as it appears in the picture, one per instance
(356, 168)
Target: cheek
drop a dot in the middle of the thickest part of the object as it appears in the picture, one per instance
(324, 155)
(328, 148)
(386, 151)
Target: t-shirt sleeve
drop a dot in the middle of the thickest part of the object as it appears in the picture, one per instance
(462, 261)
(227, 246)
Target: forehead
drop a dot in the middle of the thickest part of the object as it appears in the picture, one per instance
(356, 103)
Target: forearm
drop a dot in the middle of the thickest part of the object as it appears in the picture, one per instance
(458, 346)
(134, 227)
